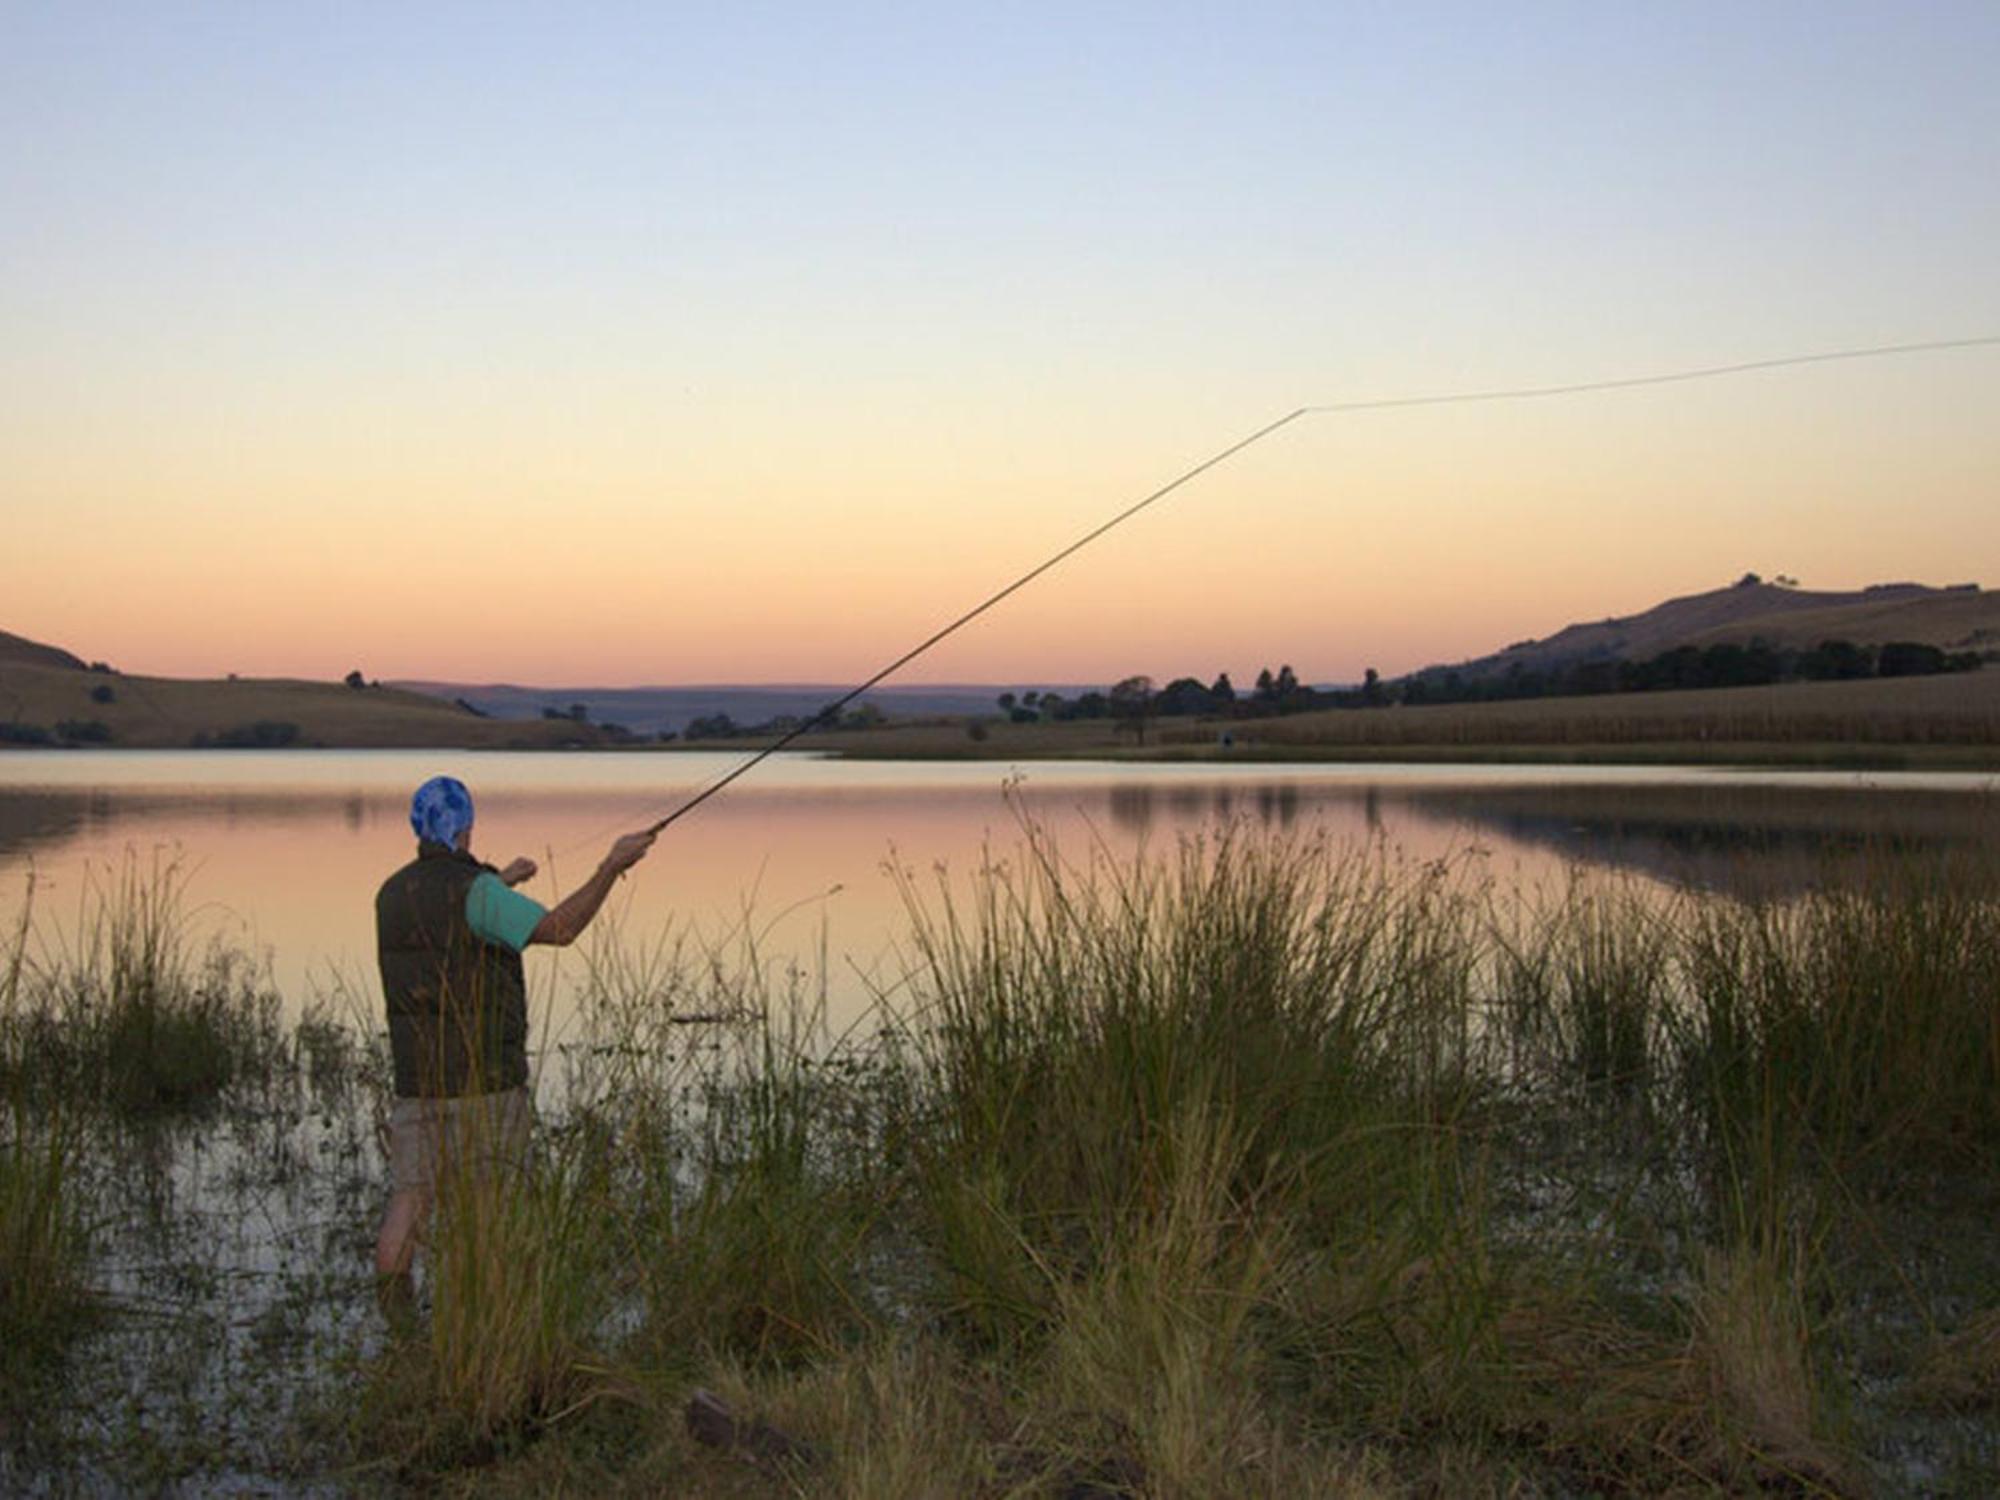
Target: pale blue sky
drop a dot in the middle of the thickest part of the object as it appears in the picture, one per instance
(746, 282)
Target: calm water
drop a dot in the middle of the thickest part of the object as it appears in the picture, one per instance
(285, 849)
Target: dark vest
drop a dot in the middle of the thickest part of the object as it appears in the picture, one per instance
(458, 1006)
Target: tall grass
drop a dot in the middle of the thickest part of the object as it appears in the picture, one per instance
(1256, 1166)
(1859, 1021)
(42, 1230)
(116, 1008)
(520, 1287)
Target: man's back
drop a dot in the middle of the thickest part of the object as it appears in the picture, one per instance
(457, 1004)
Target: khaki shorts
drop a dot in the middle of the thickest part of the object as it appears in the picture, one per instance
(480, 1133)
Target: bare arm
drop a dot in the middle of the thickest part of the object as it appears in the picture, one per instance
(566, 920)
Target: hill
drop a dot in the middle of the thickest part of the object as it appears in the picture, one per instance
(48, 696)
(653, 710)
(1959, 618)
(19, 650)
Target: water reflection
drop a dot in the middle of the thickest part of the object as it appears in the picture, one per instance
(287, 850)
(1764, 838)
(1139, 806)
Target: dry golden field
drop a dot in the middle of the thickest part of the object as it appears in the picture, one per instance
(172, 713)
(1953, 709)
(1943, 721)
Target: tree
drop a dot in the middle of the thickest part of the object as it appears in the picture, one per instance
(355, 680)
(1371, 688)
(1908, 659)
(579, 712)
(1184, 695)
(1221, 691)
(1131, 702)
(1006, 702)
(1837, 661)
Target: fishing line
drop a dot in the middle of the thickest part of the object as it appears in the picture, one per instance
(832, 710)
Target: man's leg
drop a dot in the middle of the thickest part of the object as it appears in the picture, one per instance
(396, 1243)
(412, 1185)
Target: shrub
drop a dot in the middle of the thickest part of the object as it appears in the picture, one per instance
(25, 734)
(265, 734)
(85, 731)
(102, 693)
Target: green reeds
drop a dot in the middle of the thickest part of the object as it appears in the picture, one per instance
(747, 1148)
(42, 1238)
(520, 1285)
(1867, 1014)
(115, 1009)
(1074, 1021)
(1257, 1166)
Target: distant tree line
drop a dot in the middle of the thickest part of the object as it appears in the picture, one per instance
(1135, 700)
(66, 732)
(1755, 665)
(722, 727)
(264, 734)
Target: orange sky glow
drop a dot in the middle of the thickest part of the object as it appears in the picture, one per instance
(527, 366)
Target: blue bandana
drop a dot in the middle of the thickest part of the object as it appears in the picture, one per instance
(441, 810)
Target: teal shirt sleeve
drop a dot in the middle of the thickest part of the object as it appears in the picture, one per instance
(499, 914)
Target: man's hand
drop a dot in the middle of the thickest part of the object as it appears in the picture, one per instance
(518, 871)
(567, 919)
(628, 851)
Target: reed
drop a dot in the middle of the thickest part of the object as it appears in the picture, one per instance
(43, 1241)
(116, 1008)
(1257, 1166)
(746, 1149)
(1859, 1023)
(520, 1284)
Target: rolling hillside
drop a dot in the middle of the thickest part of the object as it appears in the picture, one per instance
(1957, 619)
(49, 696)
(650, 710)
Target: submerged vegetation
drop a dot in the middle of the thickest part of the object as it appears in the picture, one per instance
(1263, 1167)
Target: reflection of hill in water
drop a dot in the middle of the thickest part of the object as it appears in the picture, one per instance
(1768, 838)
(48, 817)
(1139, 805)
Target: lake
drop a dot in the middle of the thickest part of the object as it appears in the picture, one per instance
(283, 850)
(231, 1239)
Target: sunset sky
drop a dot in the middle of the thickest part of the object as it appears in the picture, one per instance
(696, 343)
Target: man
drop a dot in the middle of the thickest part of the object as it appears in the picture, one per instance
(449, 932)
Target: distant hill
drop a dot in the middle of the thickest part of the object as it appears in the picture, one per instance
(1960, 618)
(18, 649)
(653, 710)
(50, 697)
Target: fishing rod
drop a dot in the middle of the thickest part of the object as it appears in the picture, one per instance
(831, 711)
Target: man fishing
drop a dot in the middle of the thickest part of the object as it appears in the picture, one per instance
(449, 933)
